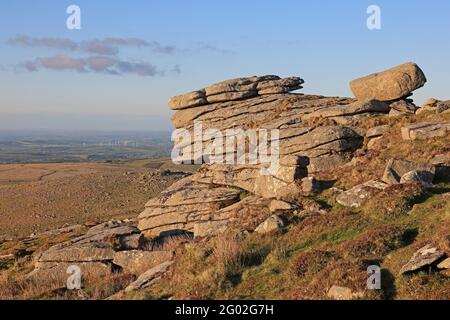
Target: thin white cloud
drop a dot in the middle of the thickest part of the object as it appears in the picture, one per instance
(94, 64)
(107, 46)
(57, 43)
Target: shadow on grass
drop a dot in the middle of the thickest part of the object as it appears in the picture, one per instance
(431, 192)
(409, 236)
(388, 284)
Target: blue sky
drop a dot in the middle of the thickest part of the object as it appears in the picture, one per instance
(191, 44)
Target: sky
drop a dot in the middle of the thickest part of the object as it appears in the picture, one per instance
(130, 56)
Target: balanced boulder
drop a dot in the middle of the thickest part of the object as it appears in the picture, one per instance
(389, 85)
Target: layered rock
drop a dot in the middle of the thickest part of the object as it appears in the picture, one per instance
(235, 89)
(183, 204)
(315, 133)
(91, 252)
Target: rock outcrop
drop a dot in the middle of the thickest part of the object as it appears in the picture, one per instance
(315, 134)
(102, 250)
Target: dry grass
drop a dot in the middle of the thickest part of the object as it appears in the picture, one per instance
(95, 286)
(311, 262)
(228, 251)
(375, 243)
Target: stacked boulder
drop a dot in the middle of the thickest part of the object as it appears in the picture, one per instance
(393, 86)
(235, 89)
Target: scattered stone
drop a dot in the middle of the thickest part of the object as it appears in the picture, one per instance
(429, 106)
(342, 293)
(443, 106)
(273, 223)
(426, 130)
(396, 168)
(402, 107)
(389, 85)
(424, 257)
(444, 264)
(423, 177)
(441, 160)
(279, 205)
(377, 131)
(442, 164)
(7, 256)
(358, 195)
(55, 232)
(149, 277)
(310, 185)
(88, 252)
(373, 143)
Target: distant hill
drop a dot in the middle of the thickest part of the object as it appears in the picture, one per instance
(83, 121)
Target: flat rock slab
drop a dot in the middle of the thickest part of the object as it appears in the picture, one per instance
(377, 131)
(423, 257)
(358, 195)
(389, 85)
(444, 264)
(93, 251)
(426, 130)
(79, 253)
(149, 277)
